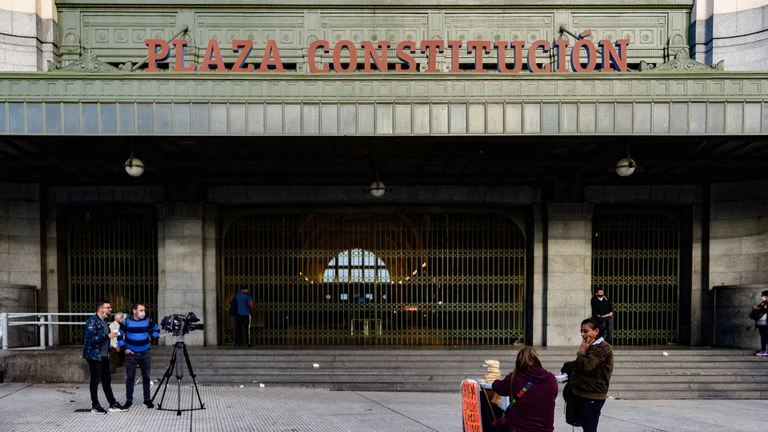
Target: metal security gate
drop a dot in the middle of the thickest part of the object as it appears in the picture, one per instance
(636, 261)
(111, 257)
(379, 279)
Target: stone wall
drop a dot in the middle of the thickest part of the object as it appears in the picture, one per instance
(739, 233)
(20, 245)
(29, 35)
(734, 328)
(569, 272)
(181, 264)
(733, 31)
(48, 366)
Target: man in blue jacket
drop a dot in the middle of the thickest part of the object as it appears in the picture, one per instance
(96, 353)
(243, 302)
(136, 334)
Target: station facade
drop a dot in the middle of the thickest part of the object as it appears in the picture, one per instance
(392, 173)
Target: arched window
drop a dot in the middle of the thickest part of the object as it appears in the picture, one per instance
(356, 265)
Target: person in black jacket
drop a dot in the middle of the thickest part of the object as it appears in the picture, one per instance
(602, 309)
(760, 315)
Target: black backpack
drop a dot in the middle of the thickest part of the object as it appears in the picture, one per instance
(233, 306)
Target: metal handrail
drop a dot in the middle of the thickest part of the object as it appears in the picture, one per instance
(45, 320)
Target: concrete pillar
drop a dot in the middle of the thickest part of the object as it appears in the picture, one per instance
(697, 288)
(730, 30)
(569, 271)
(180, 256)
(539, 294)
(210, 273)
(29, 35)
(20, 246)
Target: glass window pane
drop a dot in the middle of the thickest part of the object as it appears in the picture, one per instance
(127, 118)
(356, 258)
(181, 119)
(2, 118)
(384, 276)
(381, 263)
(34, 118)
(16, 114)
(328, 275)
(370, 275)
(357, 275)
(163, 119)
(370, 259)
(90, 118)
(332, 263)
(53, 118)
(146, 114)
(200, 119)
(343, 259)
(109, 118)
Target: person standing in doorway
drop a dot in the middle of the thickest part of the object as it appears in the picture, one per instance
(760, 315)
(242, 302)
(136, 334)
(602, 309)
(96, 353)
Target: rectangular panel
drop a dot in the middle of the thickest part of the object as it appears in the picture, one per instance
(458, 119)
(421, 119)
(476, 120)
(274, 119)
(127, 116)
(403, 119)
(624, 118)
(678, 118)
(698, 118)
(237, 119)
(163, 119)
(34, 118)
(146, 118)
(219, 121)
(16, 118)
(181, 114)
(90, 118)
(366, 119)
(108, 118)
(384, 118)
(3, 116)
(569, 118)
(606, 118)
(550, 118)
(716, 118)
(438, 118)
(532, 118)
(752, 118)
(734, 118)
(495, 122)
(200, 113)
(765, 118)
(292, 119)
(329, 119)
(311, 119)
(587, 118)
(661, 118)
(642, 118)
(513, 119)
(347, 119)
(52, 118)
(255, 124)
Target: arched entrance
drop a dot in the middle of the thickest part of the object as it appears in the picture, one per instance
(383, 279)
(111, 255)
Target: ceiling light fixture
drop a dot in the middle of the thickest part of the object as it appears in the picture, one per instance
(626, 167)
(134, 166)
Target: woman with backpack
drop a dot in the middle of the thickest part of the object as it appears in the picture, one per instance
(760, 315)
(532, 391)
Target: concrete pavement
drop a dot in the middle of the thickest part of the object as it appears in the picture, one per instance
(60, 408)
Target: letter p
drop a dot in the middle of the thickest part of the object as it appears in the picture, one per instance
(156, 55)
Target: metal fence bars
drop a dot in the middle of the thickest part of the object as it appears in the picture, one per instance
(636, 261)
(379, 279)
(113, 257)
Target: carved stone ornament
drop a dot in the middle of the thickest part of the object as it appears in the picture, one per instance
(681, 63)
(87, 63)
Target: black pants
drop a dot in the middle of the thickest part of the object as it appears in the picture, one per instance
(241, 329)
(590, 414)
(143, 361)
(763, 330)
(607, 323)
(100, 373)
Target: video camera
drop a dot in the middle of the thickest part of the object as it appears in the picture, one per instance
(179, 324)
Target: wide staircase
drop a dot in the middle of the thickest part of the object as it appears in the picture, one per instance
(646, 373)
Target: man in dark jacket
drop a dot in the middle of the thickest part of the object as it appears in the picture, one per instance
(243, 303)
(602, 309)
(96, 353)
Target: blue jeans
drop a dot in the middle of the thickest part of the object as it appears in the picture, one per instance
(590, 414)
(143, 361)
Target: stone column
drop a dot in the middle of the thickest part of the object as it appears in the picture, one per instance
(569, 271)
(697, 290)
(29, 35)
(210, 273)
(539, 295)
(20, 246)
(180, 256)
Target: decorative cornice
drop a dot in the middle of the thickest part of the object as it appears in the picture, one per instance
(682, 63)
(570, 211)
(88, 63)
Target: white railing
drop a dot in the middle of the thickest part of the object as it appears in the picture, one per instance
(42, 320)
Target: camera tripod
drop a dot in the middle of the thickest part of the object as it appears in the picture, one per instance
(177, 364)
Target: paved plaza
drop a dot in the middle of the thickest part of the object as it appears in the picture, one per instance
(59, 407)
